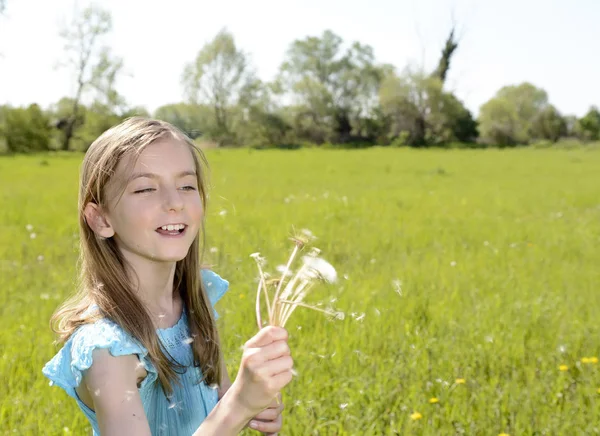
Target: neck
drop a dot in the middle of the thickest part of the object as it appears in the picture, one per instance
(154, 284)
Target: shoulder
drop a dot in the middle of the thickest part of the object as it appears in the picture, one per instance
(214, 284)
(81, 351)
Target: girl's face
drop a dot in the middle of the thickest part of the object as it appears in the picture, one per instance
(158, 214)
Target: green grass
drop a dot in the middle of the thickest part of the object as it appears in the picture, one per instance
(496, 251)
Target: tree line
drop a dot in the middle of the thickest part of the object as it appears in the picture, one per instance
(326, 92)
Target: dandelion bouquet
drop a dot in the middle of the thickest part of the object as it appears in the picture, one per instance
(282, 295)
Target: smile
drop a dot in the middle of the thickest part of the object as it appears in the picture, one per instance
(172, 229)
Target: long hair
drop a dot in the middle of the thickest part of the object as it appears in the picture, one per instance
(103, 278)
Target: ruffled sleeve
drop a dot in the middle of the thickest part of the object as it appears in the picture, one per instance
(215, 287)
(67, 366)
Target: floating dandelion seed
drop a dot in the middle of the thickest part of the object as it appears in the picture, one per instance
(453, 263)
(223, 212)
(214, 250)
(343, 406)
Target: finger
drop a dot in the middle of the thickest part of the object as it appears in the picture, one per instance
(267, 426)
(277, 366)
(272, 351)
(266, 336)
(267, 415)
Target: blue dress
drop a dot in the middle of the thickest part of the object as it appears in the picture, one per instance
(180, 414)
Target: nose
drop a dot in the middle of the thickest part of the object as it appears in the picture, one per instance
(172, 200)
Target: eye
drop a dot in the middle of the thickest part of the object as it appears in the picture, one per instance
(189, 188)
(141, 191)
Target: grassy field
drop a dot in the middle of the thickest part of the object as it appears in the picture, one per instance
(477, 273)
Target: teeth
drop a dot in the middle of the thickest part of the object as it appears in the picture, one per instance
(172, 227)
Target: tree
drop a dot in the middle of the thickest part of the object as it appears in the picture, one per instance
(444, 63)
(549, 124)
(588, 127)
(420, 112)
(94, 67)
(217, 78)
(509, 117)
(332, 89)
(192, 119)
(26, 129)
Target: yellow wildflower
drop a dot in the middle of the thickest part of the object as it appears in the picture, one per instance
(460, 381)
(563, 368)
(415, 416)
(433, 400)
(503, 434)
(598, 390)
(589, 360)
(593, 359)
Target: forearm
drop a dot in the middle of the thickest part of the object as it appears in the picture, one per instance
(227, 418)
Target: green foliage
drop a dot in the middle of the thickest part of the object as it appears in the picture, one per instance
(416, 103)
(217, 78)
(335, 89)
(518, 114)
(193, 119)
(588, 127)
(25, 129)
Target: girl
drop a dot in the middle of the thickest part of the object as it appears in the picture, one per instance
(141, 352)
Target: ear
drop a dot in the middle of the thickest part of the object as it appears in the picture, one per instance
(98, 221)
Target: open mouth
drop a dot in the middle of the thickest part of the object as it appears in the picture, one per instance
(172, 229)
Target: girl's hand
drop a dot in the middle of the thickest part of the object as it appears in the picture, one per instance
(269, 421)
(266, 368)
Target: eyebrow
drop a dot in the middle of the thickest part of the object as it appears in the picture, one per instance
(156, 176)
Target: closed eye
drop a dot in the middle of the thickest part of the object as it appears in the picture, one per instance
(189, 188)
(141, 191)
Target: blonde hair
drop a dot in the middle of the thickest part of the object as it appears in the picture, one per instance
(103, 277)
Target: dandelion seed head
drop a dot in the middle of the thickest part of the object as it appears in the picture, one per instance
(223, 212)
(324, 269)
(40, 258)
(214, 250)
(343, 406)
(29, 227)
(32, 235)
(453, 263)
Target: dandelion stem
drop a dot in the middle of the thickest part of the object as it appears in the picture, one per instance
(287, 268)
(294, 304)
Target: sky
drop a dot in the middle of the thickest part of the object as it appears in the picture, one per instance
(550, 43)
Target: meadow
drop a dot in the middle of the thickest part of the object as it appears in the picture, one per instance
(469, 280)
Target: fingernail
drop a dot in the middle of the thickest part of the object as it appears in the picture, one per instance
(253, 424)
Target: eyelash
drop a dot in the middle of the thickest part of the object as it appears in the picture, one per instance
(142, 191)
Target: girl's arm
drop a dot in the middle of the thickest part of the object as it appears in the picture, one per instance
(265, 369)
